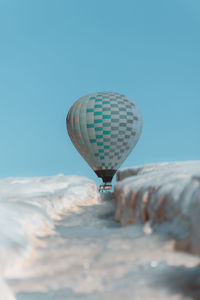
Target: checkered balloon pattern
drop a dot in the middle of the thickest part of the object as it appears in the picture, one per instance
(104, 127)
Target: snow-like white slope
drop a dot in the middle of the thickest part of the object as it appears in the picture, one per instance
(91, 256)
(28, 208)
(58, 241)
(166, 195)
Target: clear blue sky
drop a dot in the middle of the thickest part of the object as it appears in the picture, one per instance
(53, 52)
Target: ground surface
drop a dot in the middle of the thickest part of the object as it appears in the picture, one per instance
(91, 256)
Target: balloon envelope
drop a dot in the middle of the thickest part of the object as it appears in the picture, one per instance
(104, 127)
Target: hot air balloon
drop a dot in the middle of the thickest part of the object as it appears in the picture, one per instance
(104, 127)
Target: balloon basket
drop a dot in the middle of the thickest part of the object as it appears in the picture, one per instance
(105, 187)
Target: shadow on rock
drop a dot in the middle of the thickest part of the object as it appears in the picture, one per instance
(92, 217)
(180, 280)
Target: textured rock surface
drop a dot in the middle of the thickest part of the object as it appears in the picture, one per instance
(91, 256)
(58, 242)
(28, 210)
(165, 195)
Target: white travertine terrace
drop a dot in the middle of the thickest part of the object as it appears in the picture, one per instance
(29, 208)
(58, 240)
(166, 196)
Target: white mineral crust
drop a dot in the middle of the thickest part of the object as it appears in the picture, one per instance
(28, 210)
(165, 198)
(59, 240)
